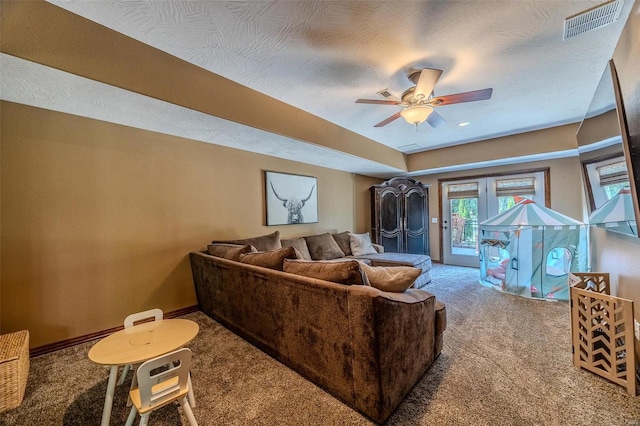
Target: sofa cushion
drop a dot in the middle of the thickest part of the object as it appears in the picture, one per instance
(395, 279)
(323, 247)
(361, 244)
(347, 272)
(343, 241)
(261, 243)
(300, 244)
(229, 251)
(273, 259)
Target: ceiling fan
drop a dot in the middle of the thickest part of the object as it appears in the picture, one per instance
(419, 100)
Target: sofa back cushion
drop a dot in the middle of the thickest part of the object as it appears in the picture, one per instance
(323, 247)
(347, 272)
(394, 279)
(261, 243)
(361, 244)
(300, 244)
(343, 242)
(229, 251)
(270, 259)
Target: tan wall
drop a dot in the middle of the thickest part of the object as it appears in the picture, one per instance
(615, 253)
(98, 219)
(44, 33)
(567, 193)
(542, 141)
(363, 202)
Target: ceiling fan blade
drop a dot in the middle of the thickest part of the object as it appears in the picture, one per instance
(476, 95)
(377, 102)
(427, 81)
(388, 120)
(435, 119)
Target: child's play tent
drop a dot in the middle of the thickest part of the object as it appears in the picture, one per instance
(529, 250)
(616, 214)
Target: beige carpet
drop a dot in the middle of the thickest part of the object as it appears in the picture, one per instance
(506, 361)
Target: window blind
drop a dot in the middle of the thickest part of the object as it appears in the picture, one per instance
(462, 190)
(613, 173)
(517, 186)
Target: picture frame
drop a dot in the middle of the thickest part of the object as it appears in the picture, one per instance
(290, 199)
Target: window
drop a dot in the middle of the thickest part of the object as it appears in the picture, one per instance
(511, 191)
(606, 178)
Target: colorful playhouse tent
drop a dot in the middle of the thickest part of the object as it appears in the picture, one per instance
(616, 214)
(529, 250)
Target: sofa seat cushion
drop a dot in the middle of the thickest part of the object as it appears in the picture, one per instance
(343, 272)
(323, 247)
(420, 261)
(395, 279)
(261, 243)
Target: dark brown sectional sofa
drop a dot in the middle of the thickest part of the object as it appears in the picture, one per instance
(365, 346)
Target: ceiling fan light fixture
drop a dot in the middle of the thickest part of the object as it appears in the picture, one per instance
(416, 114)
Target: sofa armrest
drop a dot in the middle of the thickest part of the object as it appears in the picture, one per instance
(393, 342)
(378, 247)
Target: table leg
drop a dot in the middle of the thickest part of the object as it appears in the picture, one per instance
(108, 399)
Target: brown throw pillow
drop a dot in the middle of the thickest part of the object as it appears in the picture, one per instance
(270, 259)
(394, 279)
(300, 244)
(343, 242)
(323, 247)
(229, 251)
(348, 273)
(262, 243)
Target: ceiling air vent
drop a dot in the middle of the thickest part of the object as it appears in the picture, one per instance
(410, 147)
(593, 18)
(385, 93)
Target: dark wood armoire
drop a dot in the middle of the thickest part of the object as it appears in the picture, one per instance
(400, 216)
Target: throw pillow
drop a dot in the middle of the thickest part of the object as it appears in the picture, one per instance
(349, 273)
(394, 279)
(261, 243)
(343, 241)
(361, 244)
(300, 244)
(270, 259)
(229, 251)
(323, 247)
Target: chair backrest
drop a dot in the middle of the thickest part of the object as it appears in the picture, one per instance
(130, 320)
(158, 384)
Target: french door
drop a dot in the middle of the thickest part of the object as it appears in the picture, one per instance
(468, 202)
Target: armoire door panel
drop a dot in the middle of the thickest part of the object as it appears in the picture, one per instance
(391, 243)
(390, 212)
(416, 244)
(415, 216)
(400, 215)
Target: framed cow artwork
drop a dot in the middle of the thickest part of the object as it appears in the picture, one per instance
(290, 199)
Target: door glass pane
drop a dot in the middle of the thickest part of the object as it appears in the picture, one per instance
(464, 226)
(506, 202)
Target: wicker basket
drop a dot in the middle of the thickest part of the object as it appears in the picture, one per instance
(14, 368)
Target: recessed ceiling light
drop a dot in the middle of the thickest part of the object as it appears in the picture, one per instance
(464, 123)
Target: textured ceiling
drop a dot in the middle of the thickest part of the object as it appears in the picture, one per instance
(320, 56)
